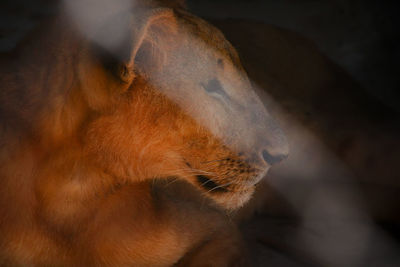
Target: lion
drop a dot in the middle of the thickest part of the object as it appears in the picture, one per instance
(124, 138)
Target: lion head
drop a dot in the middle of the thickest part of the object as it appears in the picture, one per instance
(173, 101)
(169, 98)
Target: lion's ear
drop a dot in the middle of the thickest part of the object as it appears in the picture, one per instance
(121, 38)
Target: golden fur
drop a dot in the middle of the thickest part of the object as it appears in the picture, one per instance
(94, 141)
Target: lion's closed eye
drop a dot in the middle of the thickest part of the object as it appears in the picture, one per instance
(214, 87)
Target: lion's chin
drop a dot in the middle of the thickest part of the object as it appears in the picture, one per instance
(233, 200)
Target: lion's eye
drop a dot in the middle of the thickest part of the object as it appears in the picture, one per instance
(214, 86)
(220, 63)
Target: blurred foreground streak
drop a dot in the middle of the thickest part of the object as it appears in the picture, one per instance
(342, 177)
(336, 200)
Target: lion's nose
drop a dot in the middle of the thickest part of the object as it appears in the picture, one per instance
(272, 159)
(275, 148)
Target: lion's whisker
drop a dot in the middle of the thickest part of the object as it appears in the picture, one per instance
(206, 182)
(200, 172)
(203, 172)
(223, 185)
(171, 182)
(196, 172)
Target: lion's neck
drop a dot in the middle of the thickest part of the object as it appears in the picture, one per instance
(38, 95)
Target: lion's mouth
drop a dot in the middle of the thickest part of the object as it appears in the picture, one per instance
(210, 185)
(230, 195)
